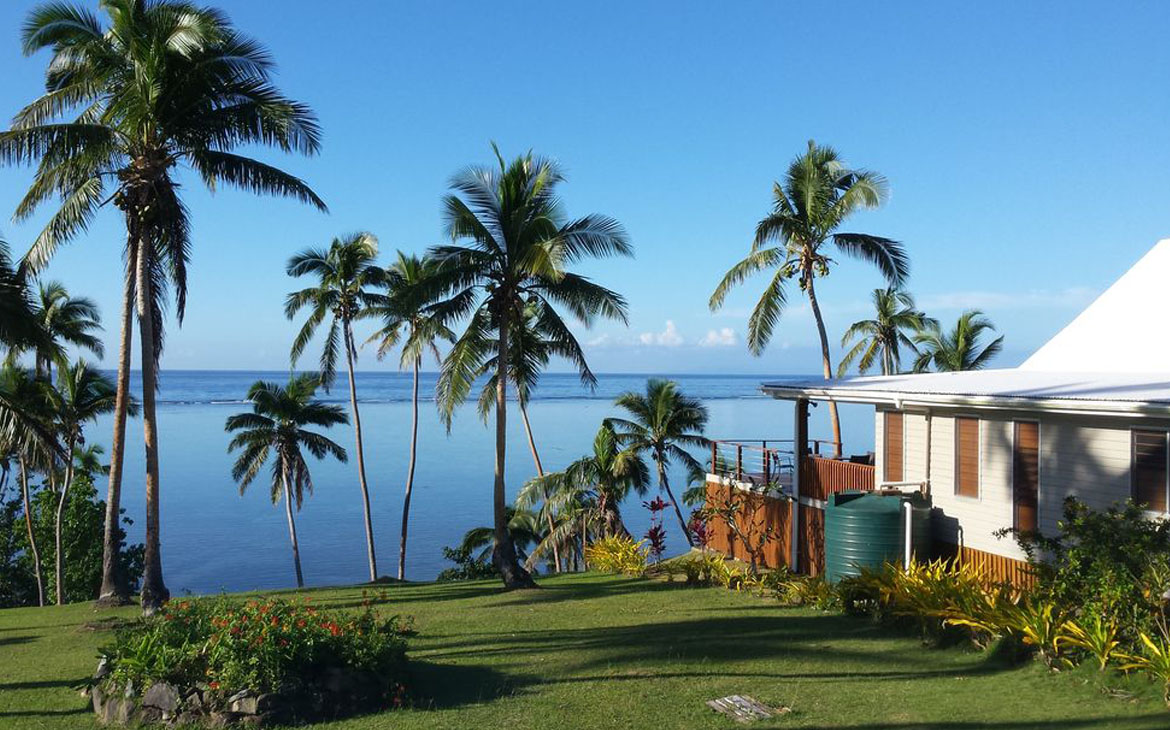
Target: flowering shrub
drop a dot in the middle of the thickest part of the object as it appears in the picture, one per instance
(617, 555)
(265, 645)
(656, 535)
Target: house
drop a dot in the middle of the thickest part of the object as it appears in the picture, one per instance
(1087, 416)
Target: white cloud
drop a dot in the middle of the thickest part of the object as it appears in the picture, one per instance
(600, 341)
(723, 337)
(668, 337)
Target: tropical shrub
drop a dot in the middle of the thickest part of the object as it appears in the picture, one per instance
(262, 646)
(617, 555)
(1095, 636)
(705, 569)
(468, 566)
(1154, 660)
(82, 523)
(1113, 563)
(805, 590)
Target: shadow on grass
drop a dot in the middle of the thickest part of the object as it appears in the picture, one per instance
(447, 686)
(42, 684)
(13, 640)
(1154, 720)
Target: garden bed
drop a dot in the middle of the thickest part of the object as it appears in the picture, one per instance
(217, 663)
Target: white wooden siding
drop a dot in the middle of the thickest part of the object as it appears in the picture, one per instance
(1087, 457)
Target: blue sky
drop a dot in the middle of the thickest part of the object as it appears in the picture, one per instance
(1026, 145)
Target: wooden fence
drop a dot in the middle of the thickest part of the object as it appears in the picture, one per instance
(820, 478)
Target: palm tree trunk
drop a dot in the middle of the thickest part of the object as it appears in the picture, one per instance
(504, 554)
(32, 540)
(292, 525)
(59, 575)
(540, 472)
(665, 483)
(361, 459)
(114, 590)
(154, 591)
(825, 358)
(409, 473)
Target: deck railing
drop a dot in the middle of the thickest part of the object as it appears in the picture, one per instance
(769, 464)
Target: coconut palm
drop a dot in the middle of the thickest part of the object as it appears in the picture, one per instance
(602, 479)
(960, 348)
(523, 528)
(519, 246)
(410, 320)
(80, 395)
(818, 194)
(537, 345)
(883, 337)
(18, 325)
(29, 438)
(346, 275)
(276, 427)
(64, 320)
(156, 85)
(662, 424)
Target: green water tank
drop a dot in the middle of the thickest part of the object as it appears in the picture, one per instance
(867, 529)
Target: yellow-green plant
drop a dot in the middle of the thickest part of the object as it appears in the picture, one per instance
(617, 555)
(1154, 661)
(1097, 637)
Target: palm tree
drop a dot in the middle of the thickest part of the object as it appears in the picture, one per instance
(409, 319)
(662, 423)
(276, 425)
(523, 527)
(162, 83)
(959, 349)
(519, 246)
(346, 273)
(816, 197)
(602, 480)
(18, 323)
(80, 396)
(30, 438)
(538, 346)
(884, 336)
(63, 320)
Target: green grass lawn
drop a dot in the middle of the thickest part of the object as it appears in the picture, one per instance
(599, 651)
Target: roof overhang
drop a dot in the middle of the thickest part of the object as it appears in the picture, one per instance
(1084, 393)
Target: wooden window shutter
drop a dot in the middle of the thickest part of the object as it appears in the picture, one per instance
(894, 447)
(1026, 475)
(967, 457)
(1149, 469)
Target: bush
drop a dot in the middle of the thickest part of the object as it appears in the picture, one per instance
(617, 555)
(263, 646)
(467, 566)
(1113, 563)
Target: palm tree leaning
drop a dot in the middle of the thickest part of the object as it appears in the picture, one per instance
(409, 319)
(519, 246)
(883, 337)
(662, 424)
(602, 479)
(818, 194)
(958, 349)
(127, 101)
(63, 320)
(276, 427)
(80, 396)
(346, 274)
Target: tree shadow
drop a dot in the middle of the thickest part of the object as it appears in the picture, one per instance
(445, 686)
(43, 684)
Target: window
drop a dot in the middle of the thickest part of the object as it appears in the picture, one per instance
(1026, 475)
(1149, 484)
(967, 457)
(894, 447)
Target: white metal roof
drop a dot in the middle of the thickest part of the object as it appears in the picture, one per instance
(1121, 331)
(1010, 388)
(1114, 358)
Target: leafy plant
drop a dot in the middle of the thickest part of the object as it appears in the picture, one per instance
(259, 645)
(1097, 636)
(1154, 660)
(468, 566)
(618, 555)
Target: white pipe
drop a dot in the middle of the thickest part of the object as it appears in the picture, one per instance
(908, 506)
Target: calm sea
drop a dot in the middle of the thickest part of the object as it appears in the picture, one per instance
(215, 539)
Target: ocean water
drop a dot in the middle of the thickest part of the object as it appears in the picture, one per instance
(215, 539)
